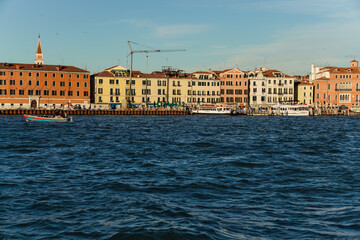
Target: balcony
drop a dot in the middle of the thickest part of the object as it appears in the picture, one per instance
(344, 90)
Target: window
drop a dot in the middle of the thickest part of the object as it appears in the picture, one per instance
(53, 92)
(2, 91)
(62, 75)
(21, 82)
(70, 93)
(100, 81)
(100, 90)
(77, 75)
(46, 74)
(12, 82)
(62, 84)
(329, 86)
(46, 92)
(45, 83)
(30, 83)
(54, 83)
(78, 93)
(86, 93)
(85, 84)
(111, 81)
(78, 84)
(2, 82)
(11, 73)
(20, 74)
(21, 91)
(37, 83)
(69, 84)
(86, 76)
(29, 74)
(69, 75)
(254, 98)
(62, 93)
(54, 75)
(38, 92)
(317, 86)
(12, 91)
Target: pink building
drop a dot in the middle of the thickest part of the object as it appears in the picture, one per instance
(234, 87)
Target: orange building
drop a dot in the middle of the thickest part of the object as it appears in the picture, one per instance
(42, 86)
(234, 87)
(337, 86)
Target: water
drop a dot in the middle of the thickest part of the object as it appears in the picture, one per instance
(180, 177)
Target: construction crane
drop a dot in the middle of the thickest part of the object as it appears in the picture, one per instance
(131, 65)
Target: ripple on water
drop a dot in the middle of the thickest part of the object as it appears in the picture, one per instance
(185, 177)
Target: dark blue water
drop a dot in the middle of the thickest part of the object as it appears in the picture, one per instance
(180, 177)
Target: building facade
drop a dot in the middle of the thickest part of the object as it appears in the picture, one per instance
(166, 88)
(234, 87)
(42, 86)
(204, 88)
(267, 87)
(305, 93)
(336, 86)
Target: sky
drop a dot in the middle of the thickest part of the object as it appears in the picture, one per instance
(287, 35)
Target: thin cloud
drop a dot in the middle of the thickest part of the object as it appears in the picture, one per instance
(172, 31)
(295, 49)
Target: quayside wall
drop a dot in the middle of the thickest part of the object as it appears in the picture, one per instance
(95, 112)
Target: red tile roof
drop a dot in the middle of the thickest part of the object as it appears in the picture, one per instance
(342, 69)
(270, 73)
(104, 74)
(35, 67)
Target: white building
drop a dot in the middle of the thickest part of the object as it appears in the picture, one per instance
(267, 87)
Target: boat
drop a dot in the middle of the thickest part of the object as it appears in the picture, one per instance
(290, 109)
(211, 110)
(47, 118)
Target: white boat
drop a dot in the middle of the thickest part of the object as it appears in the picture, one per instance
(211, 110)
(290, 109)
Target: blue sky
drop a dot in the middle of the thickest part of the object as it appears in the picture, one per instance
(288, 35)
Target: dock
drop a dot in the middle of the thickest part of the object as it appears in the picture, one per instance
(95, 112)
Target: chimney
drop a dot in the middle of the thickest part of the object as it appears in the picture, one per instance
(17, 67)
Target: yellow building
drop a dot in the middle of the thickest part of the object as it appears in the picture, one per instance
(306, 93)
(168, 87)
(204, 88)
(109, 86)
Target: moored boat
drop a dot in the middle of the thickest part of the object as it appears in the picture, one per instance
(46, 118)
(211, 110)
(290, 109)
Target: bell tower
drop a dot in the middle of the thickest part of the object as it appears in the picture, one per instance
(39, 55)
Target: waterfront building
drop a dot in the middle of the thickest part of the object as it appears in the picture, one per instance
(234, 87)
(336, 86)
(267, 87)
(305, 93)
(204, 88)
(40, 85)
(166, 88)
